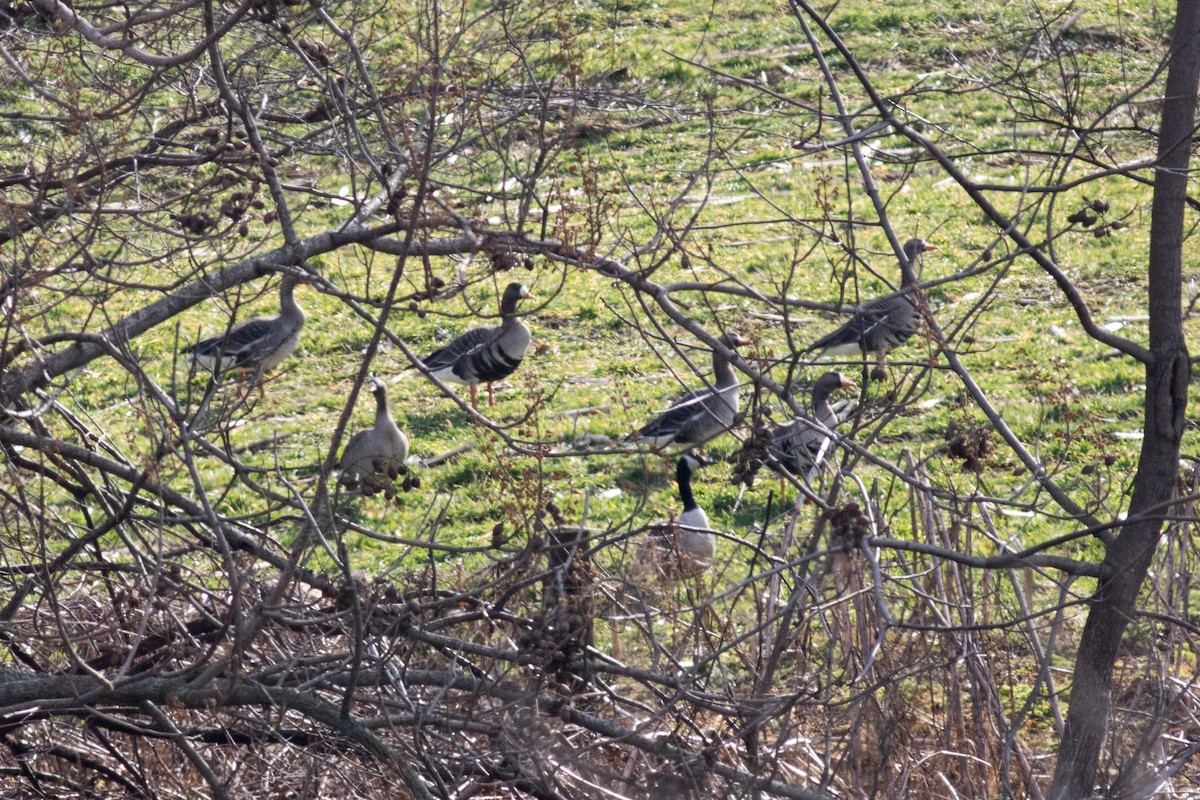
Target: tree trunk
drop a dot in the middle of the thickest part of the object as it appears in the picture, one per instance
(1129, 555)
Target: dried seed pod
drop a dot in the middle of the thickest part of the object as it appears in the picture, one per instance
(753, 454)
(849, 526)
(970, 443)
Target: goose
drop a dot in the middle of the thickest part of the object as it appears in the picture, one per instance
(374, 458)
(485, 354)
(798, 446)
(256, 345)
(878, 325)
(701, 414)
(687, 547)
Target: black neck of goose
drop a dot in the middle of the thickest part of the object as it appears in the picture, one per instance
(683, 474)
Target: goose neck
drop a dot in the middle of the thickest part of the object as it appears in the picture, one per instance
(287, 298)
(382, 410)
(508, 308)
(722, 370)
(683, 475)
(912, 251)
(823, 411)
(820, 401)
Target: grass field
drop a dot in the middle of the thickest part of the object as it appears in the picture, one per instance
(694, 153)
(763, 220)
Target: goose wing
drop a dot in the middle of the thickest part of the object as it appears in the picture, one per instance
(795, 447)
(237, 346)
(355, 462)
(856, 329)
(874, 326)
(470, 342)
(693, 419)
(371, 461)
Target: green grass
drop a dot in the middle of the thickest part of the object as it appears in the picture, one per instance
(1063, 394)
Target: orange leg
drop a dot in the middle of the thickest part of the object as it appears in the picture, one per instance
(491, 396)
(242, 377)
(474, 398)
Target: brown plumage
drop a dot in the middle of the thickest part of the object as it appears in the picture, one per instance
(258, 344)
(701, 414)
(374, 458)
(878, 326)
(486, 354)
(798, 446)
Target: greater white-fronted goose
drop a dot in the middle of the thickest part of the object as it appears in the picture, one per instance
(685, 548)
(798, 446)
(258, 344)
(374, 458)
(701, 414)
(878, 325)
(487, 354)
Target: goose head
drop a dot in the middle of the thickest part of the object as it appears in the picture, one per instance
(829, 383)
(731, 340)
(912, 249)
(514, 293)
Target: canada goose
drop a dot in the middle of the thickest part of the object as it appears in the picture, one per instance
(258, 344)
(374, 458)
(686, 548)
(701, 414)
(485, 354)
(798, 446)
(878, 325)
